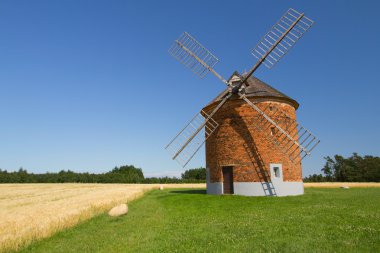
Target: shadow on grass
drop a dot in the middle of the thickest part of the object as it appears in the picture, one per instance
(189, 191)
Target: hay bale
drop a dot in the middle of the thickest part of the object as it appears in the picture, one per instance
(118, 210)
(345, 187)
(161, 187)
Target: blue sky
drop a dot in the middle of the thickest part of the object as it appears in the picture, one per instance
(89, 85)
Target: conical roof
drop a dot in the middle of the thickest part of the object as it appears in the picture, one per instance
(258, 89)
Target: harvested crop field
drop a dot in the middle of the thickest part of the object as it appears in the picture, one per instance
(340, 184)
(34, 211)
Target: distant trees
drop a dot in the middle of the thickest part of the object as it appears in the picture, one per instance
(197, 174)
(315, 178)
(352, 169)
(122, 174)
(355, 168)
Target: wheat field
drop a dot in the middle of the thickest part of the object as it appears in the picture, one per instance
(340, 184)
(29, 212)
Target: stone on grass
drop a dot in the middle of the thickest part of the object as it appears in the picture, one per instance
(118, 210)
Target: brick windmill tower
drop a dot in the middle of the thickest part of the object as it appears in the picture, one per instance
(254, 145)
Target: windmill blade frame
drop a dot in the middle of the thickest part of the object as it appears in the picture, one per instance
(195, 143)
(275, 49)
(289, 29)
(294, 141)
(190, 139)
(188, 51)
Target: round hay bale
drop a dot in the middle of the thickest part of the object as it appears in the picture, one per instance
(118, 210)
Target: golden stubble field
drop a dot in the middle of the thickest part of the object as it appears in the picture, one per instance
(340, 184)
(33, 211)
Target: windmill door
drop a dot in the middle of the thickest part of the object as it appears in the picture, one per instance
(228, 180)
(276, 174)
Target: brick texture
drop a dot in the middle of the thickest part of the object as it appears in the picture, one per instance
(238, 143)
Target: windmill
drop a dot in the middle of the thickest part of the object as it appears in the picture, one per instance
(271, 130)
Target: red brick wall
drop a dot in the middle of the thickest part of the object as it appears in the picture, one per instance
(238, 143)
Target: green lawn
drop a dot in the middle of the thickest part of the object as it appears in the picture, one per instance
(322, 220)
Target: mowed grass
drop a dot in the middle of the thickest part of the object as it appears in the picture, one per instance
(322, 220)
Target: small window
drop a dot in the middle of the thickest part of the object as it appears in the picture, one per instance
(235, 83)
(276, 171)
(272, 131)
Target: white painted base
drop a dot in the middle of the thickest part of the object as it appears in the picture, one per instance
(257, 189)
(214, 188)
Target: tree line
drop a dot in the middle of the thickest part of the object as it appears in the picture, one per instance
(122, 174)
(355, 168)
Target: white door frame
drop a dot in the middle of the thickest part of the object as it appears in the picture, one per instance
(279, 178)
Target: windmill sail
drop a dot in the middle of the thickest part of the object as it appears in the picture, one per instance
(270, 49)
(193, 55)
(286, 133)
(190, 139)
(187, 142)
(282, 37)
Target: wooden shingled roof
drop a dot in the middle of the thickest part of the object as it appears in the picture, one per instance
(259, 89)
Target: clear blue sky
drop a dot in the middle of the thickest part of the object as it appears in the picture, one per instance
(89, 85)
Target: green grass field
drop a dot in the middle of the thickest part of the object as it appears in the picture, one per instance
(322, 220)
